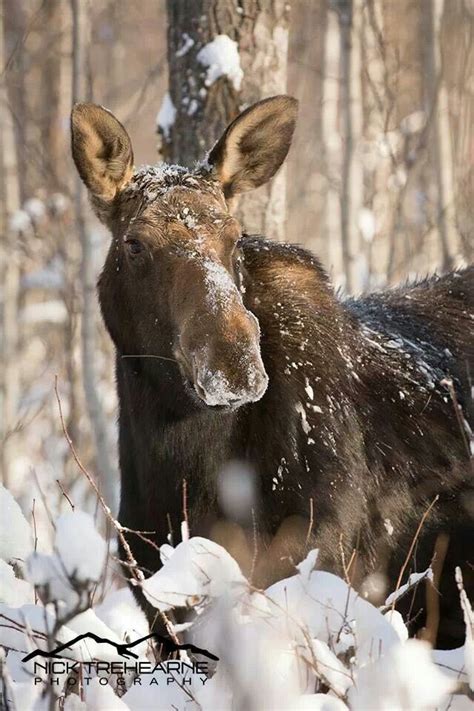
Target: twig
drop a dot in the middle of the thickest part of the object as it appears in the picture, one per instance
(255, 546)
(311, 520)
(44, 500)
(185, 522)
(170, 529)
(349, 565)
(448, 383)
(63, 492)
(409, 554)
(135, 570)
(34, 525)
(35, 547)
(343, 560)
(132, 563)
(142, 537)
(172, 360)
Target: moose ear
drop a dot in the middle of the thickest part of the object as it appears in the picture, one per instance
(254, 145)
(102, 152)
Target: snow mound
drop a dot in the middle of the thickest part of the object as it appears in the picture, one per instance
(197, 569)
(76, 565)
(15, 533)
(307, 642)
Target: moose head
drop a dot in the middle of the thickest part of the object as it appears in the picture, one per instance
(172, 285)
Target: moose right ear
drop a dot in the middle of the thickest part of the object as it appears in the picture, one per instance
(102, 152)
(255, 145)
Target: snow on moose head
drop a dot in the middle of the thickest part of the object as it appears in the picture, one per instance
(171, 288)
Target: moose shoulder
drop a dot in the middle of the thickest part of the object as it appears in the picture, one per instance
(348, 418)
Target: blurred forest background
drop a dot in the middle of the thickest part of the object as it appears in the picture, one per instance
(379, 182)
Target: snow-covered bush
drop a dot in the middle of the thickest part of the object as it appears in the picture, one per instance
(307, 642)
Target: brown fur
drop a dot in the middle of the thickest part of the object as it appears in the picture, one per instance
(356, 432)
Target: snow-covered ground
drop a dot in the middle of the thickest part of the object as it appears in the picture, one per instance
(307, 642)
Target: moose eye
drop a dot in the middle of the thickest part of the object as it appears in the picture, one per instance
(134, 246)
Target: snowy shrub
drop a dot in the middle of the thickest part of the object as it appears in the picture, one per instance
(307, 642)
(16, 541)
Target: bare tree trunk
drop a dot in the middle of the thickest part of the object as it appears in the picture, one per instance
(441, 143)
(350, 197)
(80, 91)
(200, 105)
(307, 178)
(15, 29)
(344, 9)
(10, 275)
(457, 53)
(403, 98)
(332, 142)
(52, 145)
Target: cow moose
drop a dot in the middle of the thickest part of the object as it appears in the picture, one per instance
(350, 416)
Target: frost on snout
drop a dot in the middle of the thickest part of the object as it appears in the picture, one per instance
(221, 343)
(217, 388)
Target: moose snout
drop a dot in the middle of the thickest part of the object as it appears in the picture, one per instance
(219, 386)
(227, 370)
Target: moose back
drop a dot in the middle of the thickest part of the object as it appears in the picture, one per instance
(348, 418)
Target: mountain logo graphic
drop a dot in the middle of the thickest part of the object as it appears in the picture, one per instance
(124, 650)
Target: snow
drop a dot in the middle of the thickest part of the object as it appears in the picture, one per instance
(278, 648)
(58, 203)
(366, 223)
(19, 222)
(236, 486)
(414, 579)
(77, 562)
(35, 208)
(388, 526)
(304, 420)
(13, 591)
(80, 547)
(188, 42)
(197, 569)
(405, 678)
(152, 181)
(49, 277)
(120, 612)
(166, 116)
(221, 290)
(469, 622)
(52, 311)
(15, 532)
(221, 57)
(413, 123)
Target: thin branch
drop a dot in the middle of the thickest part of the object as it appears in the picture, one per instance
(135, 570)
(63, 492)
(409, 554)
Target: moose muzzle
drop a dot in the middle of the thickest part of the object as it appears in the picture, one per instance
(222, 359)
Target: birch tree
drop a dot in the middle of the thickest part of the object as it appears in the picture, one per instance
(81, 91)
(456, 52)
(307, 182)
(10, 272)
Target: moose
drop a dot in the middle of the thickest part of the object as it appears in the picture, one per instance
(350, 416)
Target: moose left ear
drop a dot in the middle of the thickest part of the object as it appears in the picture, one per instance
(102, 152)
(254, 145)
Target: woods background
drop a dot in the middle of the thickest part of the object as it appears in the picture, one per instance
(379, 181)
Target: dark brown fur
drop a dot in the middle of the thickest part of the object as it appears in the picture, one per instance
(357, 431)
